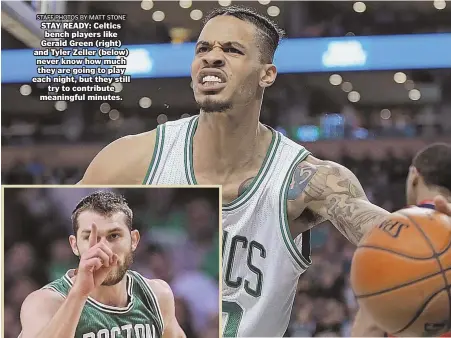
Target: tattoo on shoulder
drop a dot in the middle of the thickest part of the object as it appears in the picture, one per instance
(351, 188)
(243, 186)
(331, 180)
(302, 175)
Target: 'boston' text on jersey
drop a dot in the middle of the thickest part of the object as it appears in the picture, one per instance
(126, 331)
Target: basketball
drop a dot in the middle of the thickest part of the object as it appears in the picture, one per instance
(401, 273)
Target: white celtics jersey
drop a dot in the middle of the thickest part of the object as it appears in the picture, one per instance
(261, 261)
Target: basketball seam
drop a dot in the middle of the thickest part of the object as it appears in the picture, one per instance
(366, 295)
(420, 310)
(443, 273)
(448, 246)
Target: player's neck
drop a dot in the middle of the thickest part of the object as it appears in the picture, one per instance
(115, 295)
(230, 138)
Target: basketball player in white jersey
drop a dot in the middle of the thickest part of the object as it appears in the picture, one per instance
(103, 297)
(274, 190)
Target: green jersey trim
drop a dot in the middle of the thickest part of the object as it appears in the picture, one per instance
(156, 156)
(258, 180)
(154, 300)
(303, 262)
(52, 288)
(189, 166)
(108, 308)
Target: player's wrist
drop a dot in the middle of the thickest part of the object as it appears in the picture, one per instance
(78, 293)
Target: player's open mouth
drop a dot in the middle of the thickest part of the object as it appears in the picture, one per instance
(211, 83)
(211, 80)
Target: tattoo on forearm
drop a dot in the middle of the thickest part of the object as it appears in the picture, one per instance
(341, 198)
(350, 218)
(243, 186)
(299, 181)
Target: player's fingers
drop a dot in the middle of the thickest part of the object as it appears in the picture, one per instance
(91, 264)
(94, 251)
(93, 235)
(99, 253)
(106, 258)
(97, 264)
(104, 247)
(115, 259)
(442, 205)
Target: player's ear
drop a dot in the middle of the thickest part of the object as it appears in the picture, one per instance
(268, 75)
(415, 175)
(135, 239)
(73, 245)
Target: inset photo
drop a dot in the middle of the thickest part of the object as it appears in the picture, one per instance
(111, 262)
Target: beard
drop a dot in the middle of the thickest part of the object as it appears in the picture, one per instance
(209, 105)
(119, 271)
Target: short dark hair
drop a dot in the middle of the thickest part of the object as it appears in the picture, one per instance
(434, 165)
(269, 33)
(105, 203)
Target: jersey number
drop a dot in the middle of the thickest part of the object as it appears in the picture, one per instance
(234, 313)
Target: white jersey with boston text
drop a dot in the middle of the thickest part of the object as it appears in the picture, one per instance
(261, 262)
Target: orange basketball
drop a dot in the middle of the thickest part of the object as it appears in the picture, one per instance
(401, 273)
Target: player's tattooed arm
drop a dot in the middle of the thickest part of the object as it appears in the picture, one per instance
(302, 176)
(334, 192)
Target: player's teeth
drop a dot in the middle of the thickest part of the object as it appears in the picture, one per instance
(211, 78)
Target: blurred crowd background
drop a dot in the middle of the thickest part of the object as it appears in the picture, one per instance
(370, 120)
(377, 101)
(179, 244)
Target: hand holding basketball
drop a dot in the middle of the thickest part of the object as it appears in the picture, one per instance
(442, 205)
(401, 271)
(95, 264)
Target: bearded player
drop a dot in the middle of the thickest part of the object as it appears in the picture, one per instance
(429, 176)
(274, 190)
(102, 298)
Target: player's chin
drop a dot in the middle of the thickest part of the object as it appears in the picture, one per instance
(220, 97)
(113, 278)
(116, 274)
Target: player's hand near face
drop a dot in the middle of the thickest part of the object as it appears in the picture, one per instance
(45, 314)
(95, 264)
